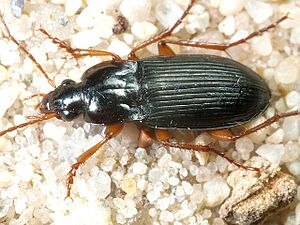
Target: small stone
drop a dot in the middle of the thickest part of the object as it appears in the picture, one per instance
(139, 168)
(183, 172)
(72, 6)
(179, 191)
(164, 160)
(54, 132)
(231, 7)
(167, 12)
(218, 221)
(155, 175)
(143, 30)
(276, 137)
(85, 39)
(197, 22)
(3, 74)
(20, 204)
(6, 178)
(108, 164)
(291, 128)
(204, 174)
(100, 184)
(142, 184)
(163, 203)
(135, 11)
(216, 191)
(16, 7)
(244, 145)
(271, 152)
(262, 45)
(24, 170)
(227, 26)
(152, 196)
(182, 213)
(292, 99)
(158, 186)
(128, 185)
(294, 168)
(11, 94)
(193, 170)
(119, 47)
(295, 35)
(188, 188)
(288, 70)
(291, 152)
(166, 216)
(173, 181)
(258, 10)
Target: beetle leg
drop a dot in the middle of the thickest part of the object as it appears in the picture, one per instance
(224, 47)
(164, 34)
(110, 132)
(221, 135)
(79, 52)
(145, 139)
(162, 137)
(226, 135)
(29, 55)
(164, 49)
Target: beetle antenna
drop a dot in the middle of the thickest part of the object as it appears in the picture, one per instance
(50, 81)
(36, 119)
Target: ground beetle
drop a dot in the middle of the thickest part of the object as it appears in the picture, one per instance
(197, 92)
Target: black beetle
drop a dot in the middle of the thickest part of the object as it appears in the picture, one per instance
(198, 92)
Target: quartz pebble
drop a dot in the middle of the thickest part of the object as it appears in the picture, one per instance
(119, 47)
(216, 191)
(288, 70)
(227, 26)
(135, 11)
(143, 30)
(262, 45)
(72, 6)
(17, 7)
(271, 152)
(54, 132)
(128, 185)
(295, 35)
(292, 99)
(11, 94)
(230, 7)
(139, 168)
(258, 10)
(167, 12)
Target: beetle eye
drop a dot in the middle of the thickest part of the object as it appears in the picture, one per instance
(67, 82)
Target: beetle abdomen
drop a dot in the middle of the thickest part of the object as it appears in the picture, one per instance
(200, 92)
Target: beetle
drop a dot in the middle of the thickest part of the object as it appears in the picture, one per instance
(160, 93)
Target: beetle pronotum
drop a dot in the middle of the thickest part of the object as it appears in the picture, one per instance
(115, 124)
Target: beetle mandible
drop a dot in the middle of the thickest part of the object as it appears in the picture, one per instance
(160, 93)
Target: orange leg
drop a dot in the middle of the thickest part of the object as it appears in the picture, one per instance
(34, 120)
(110, 132)
(164, 34)
(162, 136)
(145, 138)
(226, 135)
(224, 47)
(29, 55)
(79, 52)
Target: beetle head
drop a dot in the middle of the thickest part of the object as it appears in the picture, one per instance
(65, 101)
